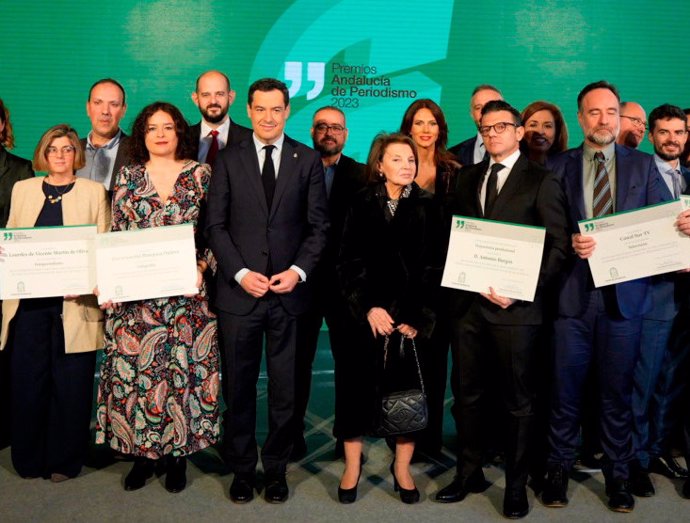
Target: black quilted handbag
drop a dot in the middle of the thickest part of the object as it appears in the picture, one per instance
(404, 411)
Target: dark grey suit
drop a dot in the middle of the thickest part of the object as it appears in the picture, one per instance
(236, 134)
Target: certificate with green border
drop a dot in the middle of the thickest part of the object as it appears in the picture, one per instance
(43, 262)
(636, 244)
(146, 263)
(487, 253)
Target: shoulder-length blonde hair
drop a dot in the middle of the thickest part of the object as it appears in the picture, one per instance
(40, 159)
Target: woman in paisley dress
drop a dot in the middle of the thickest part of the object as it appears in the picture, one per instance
(160, 376)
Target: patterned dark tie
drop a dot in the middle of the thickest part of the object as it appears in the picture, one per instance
(603, 201)
(268, 175)
(492, 188)
(213, 150)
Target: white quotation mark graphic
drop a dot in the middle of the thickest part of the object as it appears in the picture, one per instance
(315, 74)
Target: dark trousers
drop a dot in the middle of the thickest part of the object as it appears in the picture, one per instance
(600, 335)
(647, 402)
(340, 335)
(434, 364)
(482, 349)
(51, 393)
(242, 341)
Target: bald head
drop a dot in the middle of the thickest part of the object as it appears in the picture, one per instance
(213, 96)
(633, 124)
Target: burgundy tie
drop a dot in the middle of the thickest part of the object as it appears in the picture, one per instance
(213, 150)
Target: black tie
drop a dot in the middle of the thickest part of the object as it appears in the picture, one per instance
(268, 175)
(492, 188)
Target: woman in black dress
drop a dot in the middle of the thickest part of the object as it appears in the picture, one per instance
(389, 272)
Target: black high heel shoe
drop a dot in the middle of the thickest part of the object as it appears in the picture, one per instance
(408, 496)
(349, 495)
(176, 474)
(141, 471)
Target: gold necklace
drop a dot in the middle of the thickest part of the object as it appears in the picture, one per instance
(55, 199)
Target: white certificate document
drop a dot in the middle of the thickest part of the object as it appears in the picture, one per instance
(486, 253)
(146, 263)
(44, 262)
(636, 244)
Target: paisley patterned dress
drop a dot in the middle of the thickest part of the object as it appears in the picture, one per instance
(160, 377)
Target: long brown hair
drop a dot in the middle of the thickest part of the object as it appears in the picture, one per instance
(441, 156)
(7, 134)
(560, 142)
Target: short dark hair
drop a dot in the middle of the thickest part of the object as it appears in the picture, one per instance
(139, 152)
(268, 84)
(665, 112)
(501, 105)
(227, 80)
(328, 108)
(378, 148)
(486, 87)
(108, 81)
(687, 111)
(601, 84)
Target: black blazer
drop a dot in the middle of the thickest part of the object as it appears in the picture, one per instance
(394, 265)
(530, 196)
(243, 232)
(122, 158)
(236, 134)
(12, 169)
(464, 151)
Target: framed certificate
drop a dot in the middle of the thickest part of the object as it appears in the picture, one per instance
(43, 262)
(487, 253)
(146, 263)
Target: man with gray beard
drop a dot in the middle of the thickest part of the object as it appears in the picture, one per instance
(597, 326)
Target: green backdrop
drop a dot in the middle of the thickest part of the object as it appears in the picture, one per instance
(331, 52)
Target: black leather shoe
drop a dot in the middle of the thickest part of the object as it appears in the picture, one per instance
(620, 498)
(276, 489)
(686, 489)
(242, 488)
(515, 505)
(408, 496)
(176, 474)
(458, 489)
(641, 484)
(142, 470)
(555, 494)
(667, 465)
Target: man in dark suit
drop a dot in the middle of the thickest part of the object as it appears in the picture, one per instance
(267, 225)
(597, 325)
(655, 376)
(106, 148)
(491, 333)
(343, 178)
(472, 150)
(216, 130)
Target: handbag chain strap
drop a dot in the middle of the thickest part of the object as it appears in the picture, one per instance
(402, 350)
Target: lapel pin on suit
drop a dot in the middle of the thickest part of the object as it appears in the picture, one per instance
(294, 155)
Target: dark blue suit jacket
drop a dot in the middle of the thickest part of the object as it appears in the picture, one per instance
(665, 298)
(243, 232)
(464, 151)
(638, 184)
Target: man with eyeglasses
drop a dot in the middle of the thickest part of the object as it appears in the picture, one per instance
(472, 150)
(343, 178)
(655, 378)
(106, 148)
(597, 326)
(633, 124)
(216, 130)
(491, 333)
